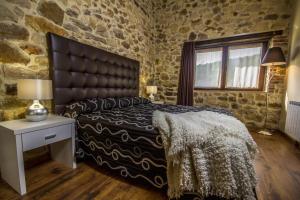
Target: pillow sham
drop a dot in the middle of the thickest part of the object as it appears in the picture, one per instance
(131, 101)
(107, 103)
(91, 105)
(73, 110)
(140, 100)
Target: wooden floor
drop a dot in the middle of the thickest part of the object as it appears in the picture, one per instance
(277, 166)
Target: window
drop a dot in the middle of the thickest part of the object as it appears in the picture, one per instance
(230, 66)
(208, 68)
(243, 66)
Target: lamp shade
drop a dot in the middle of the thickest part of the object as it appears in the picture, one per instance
(34, 89)
(274, 56)
(151, 89)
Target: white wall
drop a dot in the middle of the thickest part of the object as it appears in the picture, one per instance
(293, 82)
(293, 91)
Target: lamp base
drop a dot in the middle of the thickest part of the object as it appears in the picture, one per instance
(265, 132)
(36, 112)
(151, 96)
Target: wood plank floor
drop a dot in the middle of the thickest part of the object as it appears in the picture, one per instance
(277, 166)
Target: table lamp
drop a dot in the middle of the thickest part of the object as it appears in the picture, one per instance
(273, 57)
(151, 89)
(35, 89)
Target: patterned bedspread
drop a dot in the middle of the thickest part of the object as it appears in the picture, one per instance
(123, 139)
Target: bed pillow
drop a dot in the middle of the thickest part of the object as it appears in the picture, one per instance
(131, 101)
(107, 103)
(73, 110)
(140, 100)
(91, 105)
(121, 102)
(125, 102)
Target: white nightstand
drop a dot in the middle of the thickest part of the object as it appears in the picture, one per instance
(18, 136)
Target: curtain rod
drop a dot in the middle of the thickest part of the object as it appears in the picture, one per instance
(246, 36)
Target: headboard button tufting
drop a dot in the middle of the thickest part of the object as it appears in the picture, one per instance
(80, 71)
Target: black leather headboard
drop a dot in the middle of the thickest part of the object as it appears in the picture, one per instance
(80, 71)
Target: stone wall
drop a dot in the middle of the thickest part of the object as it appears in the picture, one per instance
(187, 20)
(125, 27)
(150, 31)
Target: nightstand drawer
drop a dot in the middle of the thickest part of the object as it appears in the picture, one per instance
(43, 137)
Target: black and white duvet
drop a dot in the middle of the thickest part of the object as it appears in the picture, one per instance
(118, 134)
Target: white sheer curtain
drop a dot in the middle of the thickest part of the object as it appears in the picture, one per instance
(208, 68)
(243, 66)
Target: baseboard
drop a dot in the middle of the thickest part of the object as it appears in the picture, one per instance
(297, 143)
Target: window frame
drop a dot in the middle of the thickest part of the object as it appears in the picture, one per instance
(225, 48)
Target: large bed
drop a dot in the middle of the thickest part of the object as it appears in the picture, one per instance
(114, 125)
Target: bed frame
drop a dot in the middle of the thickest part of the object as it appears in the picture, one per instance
(80, 71)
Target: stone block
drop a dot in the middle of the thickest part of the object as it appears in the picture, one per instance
(271, 17)
(74, 11)
(51, 11)
(7, 14)
(71, 27)
(16, 72)
(11, 89)
(119, 33)
(21, 3)
(43, 25)
(11, 53)
(223, 98)
(12, 31)
(31, 48)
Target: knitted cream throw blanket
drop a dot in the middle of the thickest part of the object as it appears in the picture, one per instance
(208, 153)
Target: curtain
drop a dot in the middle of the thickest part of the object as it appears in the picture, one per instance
(208, 67)
(186, 76)
(243, 67)
(208, 75)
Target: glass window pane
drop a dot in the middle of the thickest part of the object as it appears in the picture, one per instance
(208, 68)
(243, 66)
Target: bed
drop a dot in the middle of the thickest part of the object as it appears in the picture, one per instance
(114, 126)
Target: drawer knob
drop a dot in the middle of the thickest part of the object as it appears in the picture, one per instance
(50, 136)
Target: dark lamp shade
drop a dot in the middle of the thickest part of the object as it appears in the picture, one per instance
(273, 57)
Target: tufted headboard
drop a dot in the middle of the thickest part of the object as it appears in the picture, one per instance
(80, 71)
